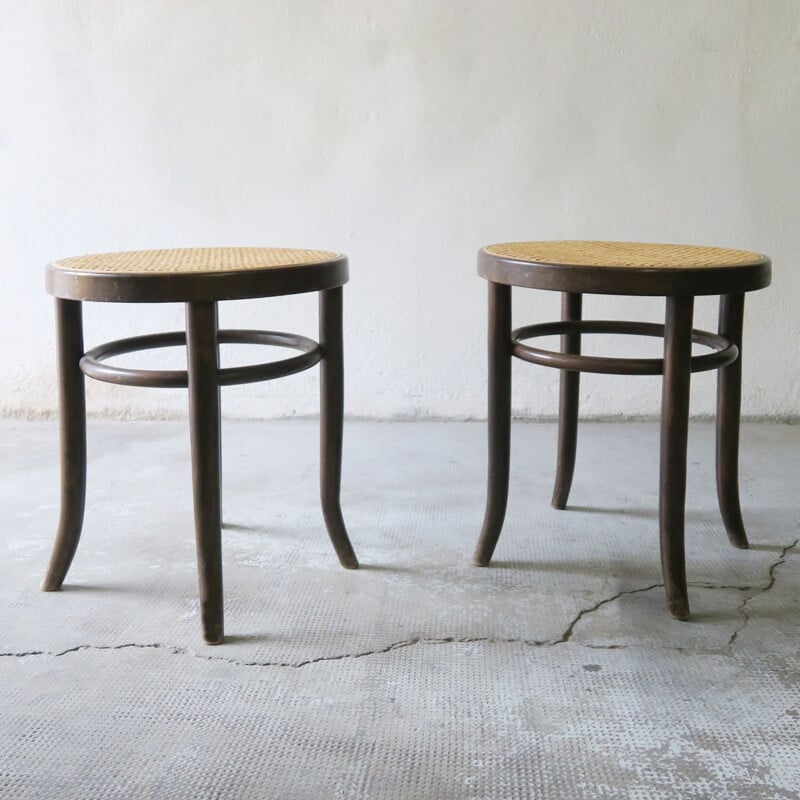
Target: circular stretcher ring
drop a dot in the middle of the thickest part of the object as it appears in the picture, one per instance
(92, 362)
(724, 352)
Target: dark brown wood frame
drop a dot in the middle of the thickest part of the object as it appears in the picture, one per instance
(203, 378)
(679, 286)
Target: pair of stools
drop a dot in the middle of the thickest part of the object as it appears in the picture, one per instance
(201, 278)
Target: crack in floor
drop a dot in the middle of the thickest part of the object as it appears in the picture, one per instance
(772, 578)
(565, 638)
(58, 654)
(177, 650)
(570, 629)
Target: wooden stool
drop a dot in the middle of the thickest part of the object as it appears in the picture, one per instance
(199, 278)
(676, 272)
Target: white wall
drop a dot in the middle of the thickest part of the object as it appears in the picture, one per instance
(407, 135)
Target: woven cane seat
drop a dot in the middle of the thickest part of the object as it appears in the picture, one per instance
(624, 267)
(201, 273)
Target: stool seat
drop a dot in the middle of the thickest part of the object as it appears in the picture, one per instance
(197, 273)
(624, 267)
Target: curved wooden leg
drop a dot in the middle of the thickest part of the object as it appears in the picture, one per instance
(499, 420)
(201, 346)
(219, 403)
(72, 405)
(331, 418)
(568, 405)
(674, 435)
(729, 401)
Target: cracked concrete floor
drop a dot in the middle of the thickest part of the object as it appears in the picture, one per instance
(554, 673)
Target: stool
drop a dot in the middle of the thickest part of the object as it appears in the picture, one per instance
(678, 273)
(200, 278)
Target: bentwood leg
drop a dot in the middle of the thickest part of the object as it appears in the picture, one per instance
(72, 404)
(331, 419)
(201, 342)
(674, 436)
(729, 400)
(568, 404)
(219, 403)
(499, 420)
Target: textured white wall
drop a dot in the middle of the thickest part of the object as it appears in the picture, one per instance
(406, 135)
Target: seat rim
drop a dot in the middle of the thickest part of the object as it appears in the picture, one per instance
(625, 280)
(180, 287)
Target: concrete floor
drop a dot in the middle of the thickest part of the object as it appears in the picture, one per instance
(556, 673)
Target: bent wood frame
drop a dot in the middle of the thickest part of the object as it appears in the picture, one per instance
(92, 363)
(676, 366)
(203, 377)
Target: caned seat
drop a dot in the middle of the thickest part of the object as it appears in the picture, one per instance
(200, 278)
(676, 272)
(198, 273)
(634, 268)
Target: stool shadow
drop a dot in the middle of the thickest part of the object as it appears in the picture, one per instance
(754, 518)
(631, 512)
(643, 513)
(384, 568)
(248, 638)
(788, 613)
(233, 526)
(720, 615)
(599, 569)
(769, 548)
(92, 588)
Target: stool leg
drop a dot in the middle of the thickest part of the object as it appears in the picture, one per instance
(729, 400)
(201, 345)
(499, 420)
(331, 419)
(568, 405)
(674, 435)
(219, 404)
(72, 404)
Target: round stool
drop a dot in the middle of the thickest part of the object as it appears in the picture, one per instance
(676, 272)
(199, 278)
